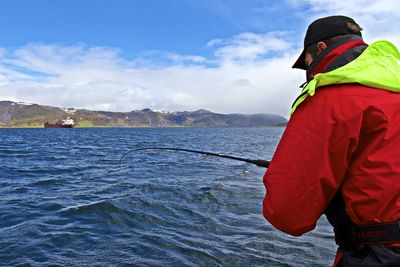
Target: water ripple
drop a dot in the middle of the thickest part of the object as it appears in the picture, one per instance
(66, 202)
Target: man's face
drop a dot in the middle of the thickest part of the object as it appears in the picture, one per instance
(313, 51)
(308, 59)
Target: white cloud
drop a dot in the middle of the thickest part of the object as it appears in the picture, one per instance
(251, 46)
(99, 78)
(214, 42)
(186, 59)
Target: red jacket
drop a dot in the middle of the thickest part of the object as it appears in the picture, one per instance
(345, 136)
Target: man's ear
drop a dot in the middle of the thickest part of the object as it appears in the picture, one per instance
(321, 46)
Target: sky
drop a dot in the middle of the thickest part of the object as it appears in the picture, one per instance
(227, 56)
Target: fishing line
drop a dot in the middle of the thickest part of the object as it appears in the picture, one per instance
(257, 162)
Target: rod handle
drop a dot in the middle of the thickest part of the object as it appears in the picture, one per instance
(262, 163)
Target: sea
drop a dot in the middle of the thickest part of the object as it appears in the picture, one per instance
(67, 200)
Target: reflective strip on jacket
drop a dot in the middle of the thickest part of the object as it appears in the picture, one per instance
(378, 66)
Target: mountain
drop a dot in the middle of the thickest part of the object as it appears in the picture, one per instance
(18, 114)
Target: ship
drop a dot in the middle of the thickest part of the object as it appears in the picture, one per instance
(65, 123)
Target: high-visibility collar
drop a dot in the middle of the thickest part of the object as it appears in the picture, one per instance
(378, 66)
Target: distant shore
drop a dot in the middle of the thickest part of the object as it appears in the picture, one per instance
(23, 115)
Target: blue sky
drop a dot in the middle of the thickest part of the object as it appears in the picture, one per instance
(134, 26)
(224, 55)
(121, 22)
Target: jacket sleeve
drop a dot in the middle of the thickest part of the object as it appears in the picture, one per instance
(308, 166)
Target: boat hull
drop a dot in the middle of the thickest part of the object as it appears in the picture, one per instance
(58, 125)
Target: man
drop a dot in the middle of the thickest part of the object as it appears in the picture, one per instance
(340, 152)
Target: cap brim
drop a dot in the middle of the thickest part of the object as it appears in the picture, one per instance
(300, 64)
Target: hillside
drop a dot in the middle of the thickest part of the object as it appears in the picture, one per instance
(13, 114)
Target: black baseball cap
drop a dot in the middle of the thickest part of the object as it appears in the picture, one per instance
(322, 29)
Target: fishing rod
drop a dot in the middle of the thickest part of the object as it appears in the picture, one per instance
(258, 162)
